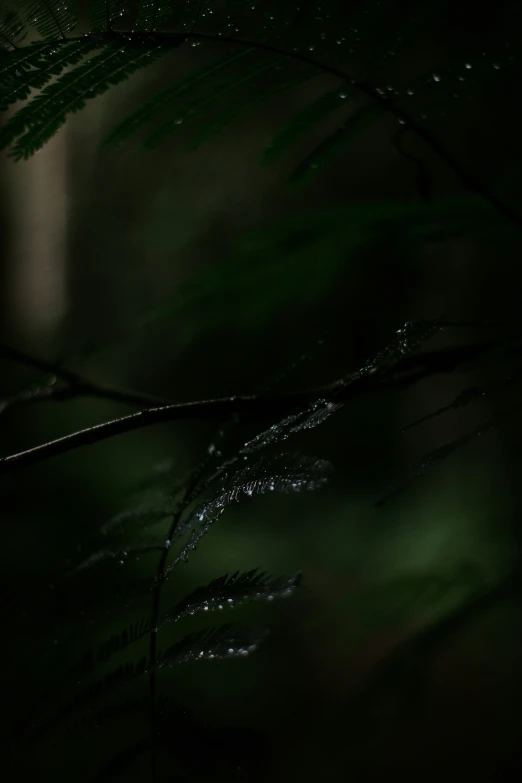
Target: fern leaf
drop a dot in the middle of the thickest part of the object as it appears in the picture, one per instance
(441, 453)
(103, 13)
(281, 473)
(115, 555)
(304, 121)
(240, 588)
(34, 68)
(115, 644)
(226, 641)
(329, 147)
(153, 13)
(192, 14)
(194, 539)
(39, 120)
(245, 104)
(114, 679)
(308, 418)
(165, 98)
(195, 108)
(13, 30)
(51, 18)
(146, 514)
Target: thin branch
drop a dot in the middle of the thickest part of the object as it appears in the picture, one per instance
(77, 385)
(403, 373)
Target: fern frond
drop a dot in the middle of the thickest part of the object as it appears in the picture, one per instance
(115, 644)
(34, 124)
(307, 418)
(174, 98)
(329, 148)
(13, 30)
(33, 67)
(231, 592)
(50, 18)
(152, 13)
(117, 555)
(247, 103)
(304, 121)
(226, 641)
(114, 679)
(280, 473)
(441, 453)
(103, 13)
(194, 109)
(145, 514)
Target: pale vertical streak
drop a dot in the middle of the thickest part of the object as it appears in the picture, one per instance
(37, 214)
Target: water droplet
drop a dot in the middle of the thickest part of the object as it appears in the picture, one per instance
(468, 66)
(496, 66)
(343, 95)
(436, 77)
(178, 120)
(410, 91)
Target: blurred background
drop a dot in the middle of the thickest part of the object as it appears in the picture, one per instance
(192, 274)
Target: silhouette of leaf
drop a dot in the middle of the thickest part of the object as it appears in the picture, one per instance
(225, 592)
(226, 641)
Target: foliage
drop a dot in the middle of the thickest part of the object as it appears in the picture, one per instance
(269, 49)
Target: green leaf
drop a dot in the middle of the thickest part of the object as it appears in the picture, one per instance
(218, 123)
(51, 18)
(329, 148)
(303, 122)
(193, 109)
(225, 592)
(13, 30)
(104, 12)
(164, 99)
(33, 68)
(39, 120)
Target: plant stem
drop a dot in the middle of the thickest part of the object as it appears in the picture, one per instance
(403, 373)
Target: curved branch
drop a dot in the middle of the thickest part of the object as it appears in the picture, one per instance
(77, 385)
(403, 373)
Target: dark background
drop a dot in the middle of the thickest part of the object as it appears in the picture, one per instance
(198, 274)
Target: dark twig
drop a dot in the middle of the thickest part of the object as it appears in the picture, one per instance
(77, 385)
(402, 373)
